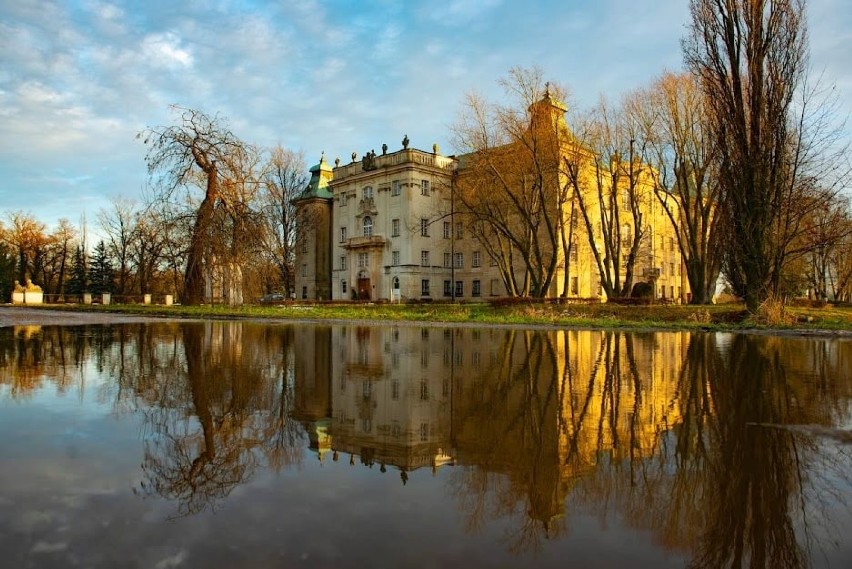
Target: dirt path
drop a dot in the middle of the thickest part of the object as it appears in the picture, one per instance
(20, 316)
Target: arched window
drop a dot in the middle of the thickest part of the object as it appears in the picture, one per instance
(396, 283)
(368, 226)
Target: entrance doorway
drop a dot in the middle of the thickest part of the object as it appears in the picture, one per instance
(363, 286)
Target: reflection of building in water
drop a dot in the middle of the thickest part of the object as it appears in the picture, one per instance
(390, 396)
(621, 392)
(541, 408)
(312, 404)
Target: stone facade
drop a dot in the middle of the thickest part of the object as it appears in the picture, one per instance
(386, 228)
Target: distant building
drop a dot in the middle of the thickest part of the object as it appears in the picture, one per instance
(387, 227)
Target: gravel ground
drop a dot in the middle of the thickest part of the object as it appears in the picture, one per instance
(20, 316)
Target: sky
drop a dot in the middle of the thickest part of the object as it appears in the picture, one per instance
(80, 78)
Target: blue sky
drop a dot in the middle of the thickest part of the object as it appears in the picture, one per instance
(79, 79)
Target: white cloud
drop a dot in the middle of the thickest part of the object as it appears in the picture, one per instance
(164, 50)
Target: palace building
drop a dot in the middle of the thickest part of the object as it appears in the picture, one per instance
(390, 227)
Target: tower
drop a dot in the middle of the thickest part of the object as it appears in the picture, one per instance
(313, 241)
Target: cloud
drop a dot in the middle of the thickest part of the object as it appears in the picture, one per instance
(164, 50)
(79, 79)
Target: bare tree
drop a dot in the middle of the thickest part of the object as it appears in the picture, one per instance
(118, 226)
(27, 235)
(611, 187)
(673, 118)
(147, 249)
(511, 191)
(750, 58)
(284, 179)
(200, 149)
(63, 239)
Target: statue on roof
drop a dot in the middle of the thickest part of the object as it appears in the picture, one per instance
(405, 142)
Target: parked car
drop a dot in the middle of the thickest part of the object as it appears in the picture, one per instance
(273, 298)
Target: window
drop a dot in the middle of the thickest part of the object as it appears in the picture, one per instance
(395, 259)
(424, 227)
(448, 288)
(572, 253)
(495, 287)
(424, 432)
(363, 259)
(305, 270)
(343, 287)
(424, 259)
(394, 228)
(459, 230)
(343, 262)
(344, 198)
(446, 230)
(671, 269)
(305, 246)
(343, 234)
(493, 261)
(459, 260)
(424, 187)
(477, 259)
(368, 193)
(625, 198)
(459, 289)
(424, 390)
(671, 243)
(395, 392)
(424, 287)
(395, 188)
(575, 286)
(368, 226)
(447, 260)
(477, 288)
(304, 292)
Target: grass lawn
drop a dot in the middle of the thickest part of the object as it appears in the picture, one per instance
(592, 315)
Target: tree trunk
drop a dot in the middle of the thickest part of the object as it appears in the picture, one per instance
(193, 283)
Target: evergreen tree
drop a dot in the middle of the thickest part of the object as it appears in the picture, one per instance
(101, 273)
(7, 272)
(79, 281)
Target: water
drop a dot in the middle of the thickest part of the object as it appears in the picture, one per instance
(233, 445)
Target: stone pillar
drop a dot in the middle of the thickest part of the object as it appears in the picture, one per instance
(169, 300)
(146, 299)
(105, 298)
(87, 298)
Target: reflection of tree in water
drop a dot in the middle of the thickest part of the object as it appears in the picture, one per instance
(754, 474)
(216, 397)
(504, 425)
(677, 434)
(33, 356)
(722, 482)
(232, 415)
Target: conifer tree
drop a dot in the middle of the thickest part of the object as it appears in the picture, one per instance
(102, 273)
(79, 281)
